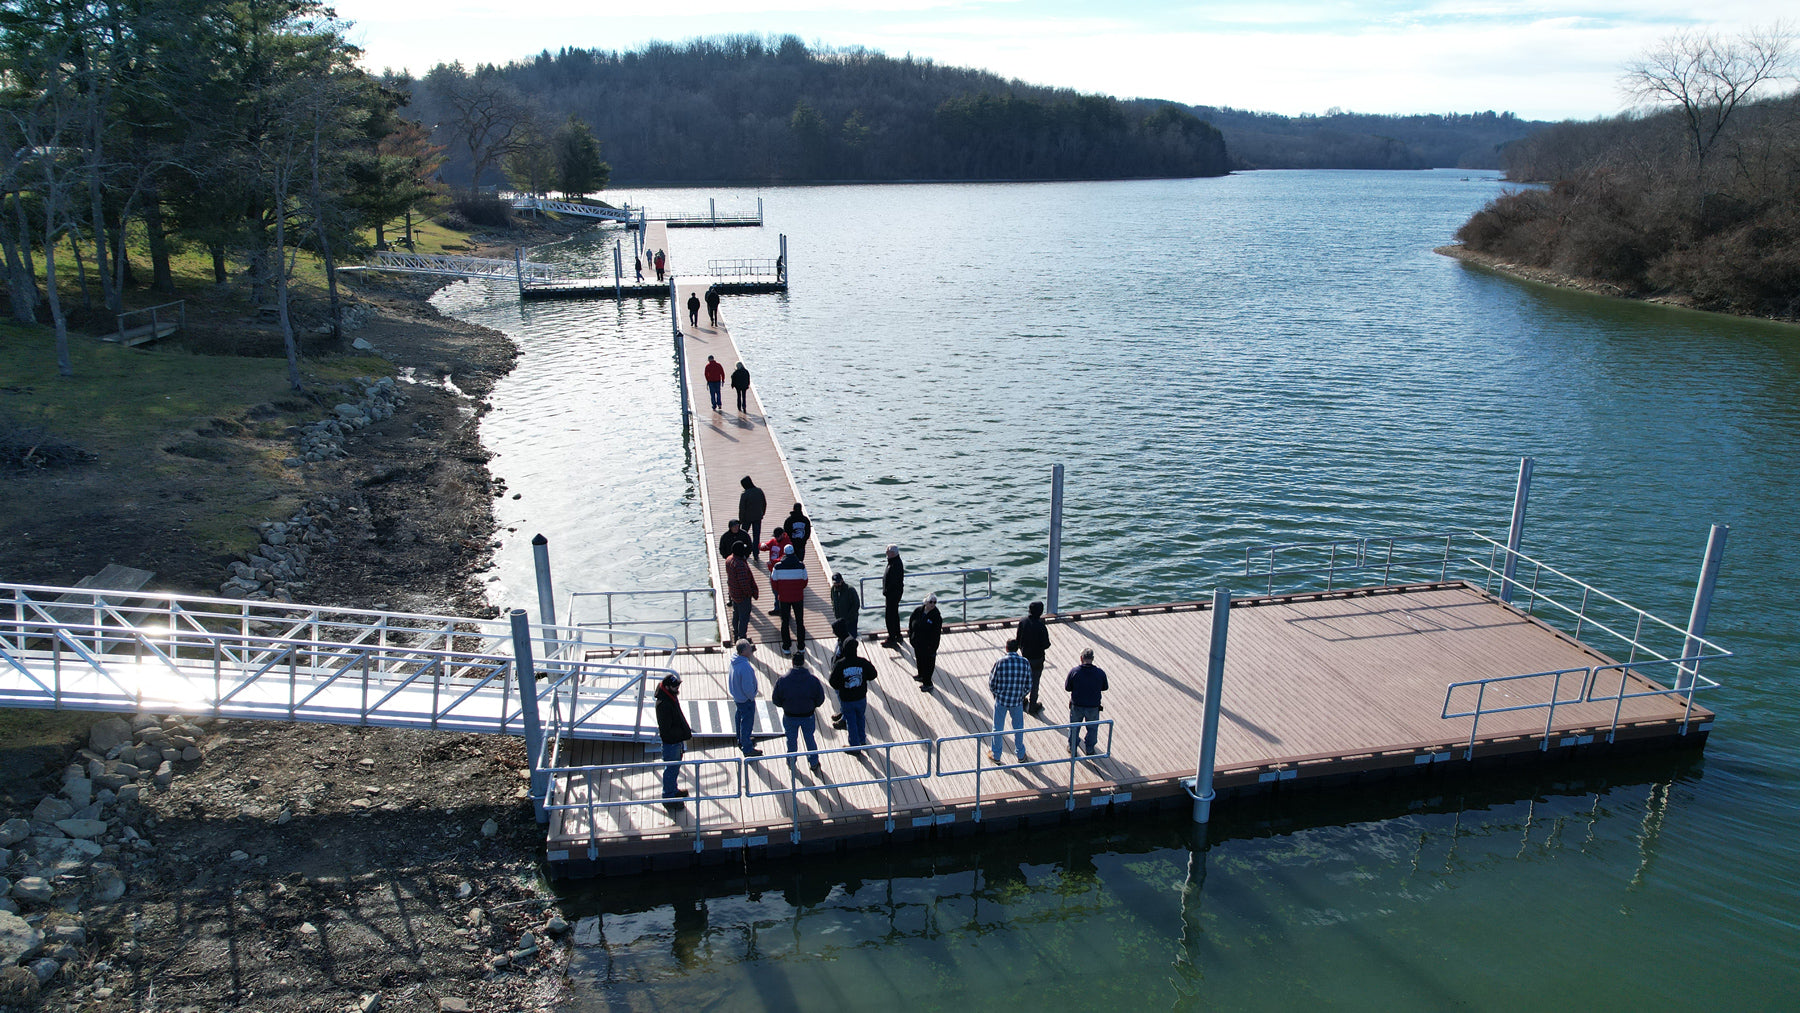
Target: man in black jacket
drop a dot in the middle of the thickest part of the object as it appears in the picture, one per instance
(850, 677)
(1034, 640)
(752, 504)
(893, 585)
(672, 727)
(734, 536)
(926, 628)
(799, 529)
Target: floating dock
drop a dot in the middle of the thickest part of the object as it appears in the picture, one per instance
(737, 277)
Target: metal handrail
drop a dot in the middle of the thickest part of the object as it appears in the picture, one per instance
(987, 593)
(1695, 682)
(794, 787)
(742, 268)
(1588, 591)
(560, 778)
(1359, 553)
(981, 754)
(1481, 700)
(686, 622)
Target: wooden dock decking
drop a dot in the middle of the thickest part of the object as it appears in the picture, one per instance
(1345, 684)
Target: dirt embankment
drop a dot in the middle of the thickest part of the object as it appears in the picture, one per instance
(1545, 276)
(300, 867)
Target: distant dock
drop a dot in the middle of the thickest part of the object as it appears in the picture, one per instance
(744, 276)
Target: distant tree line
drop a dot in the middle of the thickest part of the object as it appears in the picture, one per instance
(241, 128)
(1697, 196)
(744, 108)
(1346, 140)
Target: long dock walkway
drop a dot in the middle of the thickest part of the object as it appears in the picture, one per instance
(729, 445)
(1318, 687)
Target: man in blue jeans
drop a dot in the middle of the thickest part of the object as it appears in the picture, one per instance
(1009, 682)
(1085, 683)
(799, 694)
(672, 727)
(850, 677)
(742, 685)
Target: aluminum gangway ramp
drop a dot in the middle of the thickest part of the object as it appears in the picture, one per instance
(97, 649)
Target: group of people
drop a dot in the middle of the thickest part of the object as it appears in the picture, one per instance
(658, 260)
(714, 372)
(712, 310)
(1014, 682)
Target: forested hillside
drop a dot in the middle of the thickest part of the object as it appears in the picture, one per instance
(1699, 202)
(1341, 140)
(738, 108)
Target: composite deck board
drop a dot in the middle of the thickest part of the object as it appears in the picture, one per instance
(1329, 682)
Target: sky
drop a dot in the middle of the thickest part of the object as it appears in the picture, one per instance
(1538, 60)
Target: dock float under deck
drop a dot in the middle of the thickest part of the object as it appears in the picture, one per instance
(1320, 688)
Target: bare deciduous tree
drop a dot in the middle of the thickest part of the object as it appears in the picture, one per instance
(1706, 77)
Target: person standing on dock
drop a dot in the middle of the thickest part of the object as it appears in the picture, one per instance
(844, 607)
(672, 727)
(799, 529)
(752, 504)
(777, 546)
(1085, 684)
(715, 373)
(893, 585)
(693, 305)
(740, 589)
(712, 305)
(1009, 681)
(925, 627)
(799, 694)
(850, 677)
(659, 261)
(742, 686)
(1034, 641)
(789, 581)
(740, 382)
(734, 536)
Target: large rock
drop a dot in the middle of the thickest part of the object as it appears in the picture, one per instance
(52, 809)
(79, 789)
(587, 932)
(33, 888)
(45, 969)
(18, 941)
(107, 733)
(105, 885)
(13, 831)
(83, 829)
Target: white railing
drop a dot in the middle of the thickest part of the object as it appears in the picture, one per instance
(570, 207)
(605, 619)
(985, 590)
(1351, 558)
(449, 265)
(794, 789)
(1059, 754)
(752, 268)
(1587, 690)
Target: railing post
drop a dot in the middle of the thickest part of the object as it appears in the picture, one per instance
(1056, 512)
(618, 273)
(680, 352)
(1709, 576)
(1201, 789)
(540, 561)
(519, 268)
(526, 677)
(1516, 533)
(712, 207)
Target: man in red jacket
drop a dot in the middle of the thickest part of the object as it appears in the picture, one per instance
(740, 590)
(789, 580)
(715, 382)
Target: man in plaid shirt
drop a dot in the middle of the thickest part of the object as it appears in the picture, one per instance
(1009, 682)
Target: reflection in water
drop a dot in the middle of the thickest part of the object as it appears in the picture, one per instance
(1266, 908)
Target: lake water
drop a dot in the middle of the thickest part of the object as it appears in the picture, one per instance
(1272, 356)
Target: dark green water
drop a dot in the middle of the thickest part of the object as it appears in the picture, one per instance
(1266, 357)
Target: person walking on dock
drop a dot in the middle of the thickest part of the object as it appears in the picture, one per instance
(893, 585)
(799, 529)
(1085, 684)
(740, 382)
(799, 694)
(672, 727)
(850, 677)
(693, 305)
(715, 375)
(1009, 681)
(740, 589)
(742, 686)
(925, 627)
(789, 581)
(752, 504)
(734, 536)
(1034, 640)
(712, 305)
(637, 264)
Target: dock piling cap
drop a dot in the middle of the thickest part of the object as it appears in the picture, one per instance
(539, 540)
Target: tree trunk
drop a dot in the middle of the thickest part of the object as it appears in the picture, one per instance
(318, 196)
(87, 298)
(288, 341)
(63, 364)
(21, 286)
(409, 239)
(162, 279)
(380, 236)
(220, 276)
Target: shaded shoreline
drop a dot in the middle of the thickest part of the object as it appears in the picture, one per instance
(1591, 286)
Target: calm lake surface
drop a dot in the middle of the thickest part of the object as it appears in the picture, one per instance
(1268, 357)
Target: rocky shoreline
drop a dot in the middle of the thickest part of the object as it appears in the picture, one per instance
(175, 863)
